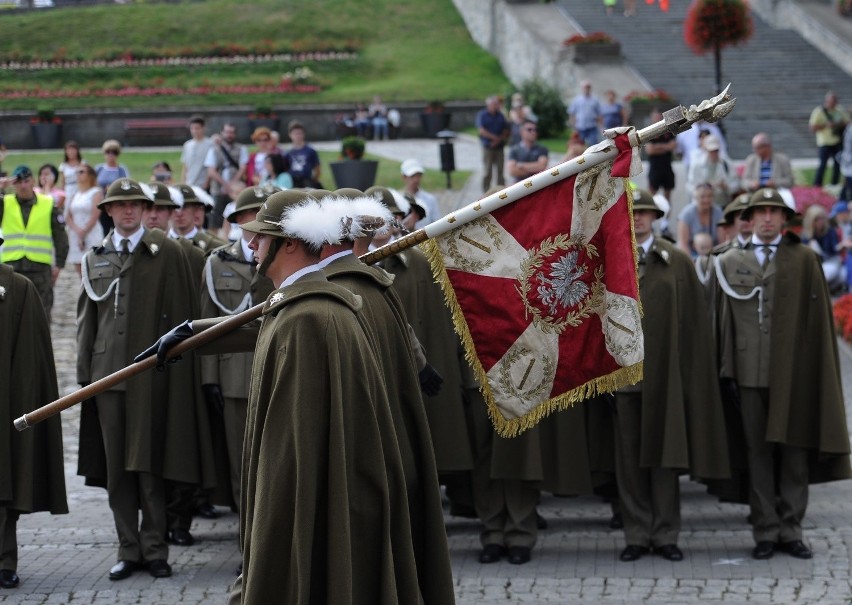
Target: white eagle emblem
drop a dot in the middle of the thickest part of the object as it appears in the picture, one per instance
(276, 298)
(564, 287)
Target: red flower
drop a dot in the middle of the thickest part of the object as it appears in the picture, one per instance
(717, 23)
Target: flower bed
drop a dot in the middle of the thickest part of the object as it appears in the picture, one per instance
(592, 38)
(131, 61)
(843, 316)
(644, 96)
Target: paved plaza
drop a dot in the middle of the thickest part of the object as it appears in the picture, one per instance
(65, 559)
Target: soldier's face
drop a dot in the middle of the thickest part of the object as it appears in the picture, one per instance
(127, 215)
(767, 222)
(157, 217)
(643, 221)
(743, 227)
(260, 244)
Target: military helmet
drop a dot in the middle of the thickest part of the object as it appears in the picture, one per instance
(269, 214)
(385, 196)
(251, 198)
(125, 190)
(318, 194)
(195, 195)
(162, 195)
(349, 193)
(643, 200)
(767, 196)
(738, 204)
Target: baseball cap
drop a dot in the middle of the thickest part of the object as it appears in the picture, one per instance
(21, 172)
(839, 206)
(712, 143)
(410, 167)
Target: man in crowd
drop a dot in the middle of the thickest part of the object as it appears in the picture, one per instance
(195, 150)
(304, 159)
(494, 131)
(527, 157)
(226, 170)
(33, 476)
(584, 113)
(828, 121)
(765, 167)
(775, 324)
(36, 242)
(153, 427)
(412, 173)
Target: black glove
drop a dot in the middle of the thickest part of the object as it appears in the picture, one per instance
(214, 398)
(430, 380)
(166, 342)
(608, 399)
(730, 391)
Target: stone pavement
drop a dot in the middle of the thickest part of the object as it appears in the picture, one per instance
(65, 559)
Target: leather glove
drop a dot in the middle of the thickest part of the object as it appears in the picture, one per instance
(213, 396)
(730, 391)
(166, 342)
(430, 380)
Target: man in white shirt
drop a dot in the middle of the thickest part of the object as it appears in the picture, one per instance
(412, 172)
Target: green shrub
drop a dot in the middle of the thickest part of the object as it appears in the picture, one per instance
(547, 105)
(352, 148)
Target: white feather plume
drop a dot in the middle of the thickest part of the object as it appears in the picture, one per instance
(177, 196)
(304, 222)
(203, 197)
(403, 204)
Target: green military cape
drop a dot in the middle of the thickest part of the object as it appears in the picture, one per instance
(806, 406)
(33, 476)
(386, 326)
(683, 425)
(324, 513)
(167, 429)
(424, 306)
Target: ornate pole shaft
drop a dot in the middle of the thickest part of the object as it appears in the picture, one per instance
(675, 120)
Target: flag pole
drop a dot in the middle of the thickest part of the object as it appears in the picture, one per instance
(675, 120)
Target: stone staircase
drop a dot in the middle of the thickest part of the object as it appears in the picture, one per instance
(777, 77)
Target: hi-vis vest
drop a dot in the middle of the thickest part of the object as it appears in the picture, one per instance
(35, 241)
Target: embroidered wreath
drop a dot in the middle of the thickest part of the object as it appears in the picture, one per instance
(593, 297)
(508, 386)
(464, 262)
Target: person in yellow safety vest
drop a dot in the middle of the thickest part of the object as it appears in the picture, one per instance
(36, 242)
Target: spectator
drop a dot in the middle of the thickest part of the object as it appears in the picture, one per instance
(689, 141)
(613, 113)
(161, 172)
(846, 165)
(379, 115)
(585, 114)
(304, 159)
(823, 238)
(412, 173)
(765, 167)
(518, 114)
(108, 172)
(712, 168)
(256, 164)
(68, 169)
(493, 130)
(193, 170)
(659, 151)
(226, 168)
(48, 175)
(363, 123)
(828, 121)
(699, 216)
(575, 147)
(276, 168)
(527, 157)
(81, 216)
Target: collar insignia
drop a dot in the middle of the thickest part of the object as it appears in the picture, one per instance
(276, 298)
(154, 249)
(2, 293)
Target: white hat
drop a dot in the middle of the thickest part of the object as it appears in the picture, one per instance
(712, 143)
(410, 167)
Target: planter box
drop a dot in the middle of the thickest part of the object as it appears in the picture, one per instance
(47, 135)
(357, 174)
(433, 123)
(602, 52)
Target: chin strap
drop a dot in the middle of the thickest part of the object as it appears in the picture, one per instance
(274, 245)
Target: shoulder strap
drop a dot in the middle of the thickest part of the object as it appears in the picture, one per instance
(228, 157)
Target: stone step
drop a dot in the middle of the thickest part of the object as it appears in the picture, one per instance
(777, 77)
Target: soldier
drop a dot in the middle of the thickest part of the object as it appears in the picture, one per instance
(153, 428)
(189, 216)
(324, 507)
(387, 328)
(782, 360)
(230, 285)
(33, 477)
(36, 242)
(741, 228)
(672, 421)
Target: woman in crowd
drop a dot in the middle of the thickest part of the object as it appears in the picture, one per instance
(68, 169)
(81, 216)
(824, 239)
(699, 216)
(108, 172)
(48, 176)
(612, 112)
(276, 169)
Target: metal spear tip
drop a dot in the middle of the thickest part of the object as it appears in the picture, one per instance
(712, 109)
(21, 423)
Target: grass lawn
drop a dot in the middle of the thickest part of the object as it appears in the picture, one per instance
(139, 164)
(408, 50)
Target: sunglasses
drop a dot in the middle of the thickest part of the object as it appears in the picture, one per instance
(111, 152)
(531, 129)
(264, 140)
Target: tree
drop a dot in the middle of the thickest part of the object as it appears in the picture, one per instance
(714, 24)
